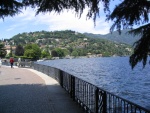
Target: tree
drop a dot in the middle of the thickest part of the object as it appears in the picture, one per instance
(13, 7)
(125, 15)
(54, 53)
(32, 51)
(74, 53)
(60, 52)
(19, 50)
(45, 54)
(29, 53)
(10, 8)
(2, 50)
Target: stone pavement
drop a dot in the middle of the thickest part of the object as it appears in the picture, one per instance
(25, 90)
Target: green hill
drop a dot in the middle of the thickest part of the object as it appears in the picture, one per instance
(74, 42)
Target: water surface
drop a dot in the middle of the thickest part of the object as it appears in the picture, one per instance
(113, 74)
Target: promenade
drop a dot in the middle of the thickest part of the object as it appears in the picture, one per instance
(24, 90)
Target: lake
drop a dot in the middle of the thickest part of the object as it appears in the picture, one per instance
(114, 74)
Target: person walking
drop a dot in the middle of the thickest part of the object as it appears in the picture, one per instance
(11, 62)
(19, 62)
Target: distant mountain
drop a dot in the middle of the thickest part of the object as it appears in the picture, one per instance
(124, 37)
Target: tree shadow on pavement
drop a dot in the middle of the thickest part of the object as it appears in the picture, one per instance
(24, 98)
(36, 98)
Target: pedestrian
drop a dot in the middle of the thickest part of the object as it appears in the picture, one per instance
(19, 62)
(11, 62)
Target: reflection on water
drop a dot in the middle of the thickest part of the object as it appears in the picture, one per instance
(112, 74)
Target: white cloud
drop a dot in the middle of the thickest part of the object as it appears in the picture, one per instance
(67, 20)
(17, 26)
(11, 28)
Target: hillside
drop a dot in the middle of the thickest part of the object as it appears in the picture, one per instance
(124, 37)
(75, 43)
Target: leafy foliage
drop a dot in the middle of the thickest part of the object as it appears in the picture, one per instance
(19, 50)
(58, 6)
(127, 14)
(32, 51)
(142, 46)
(54, 53)
(2, 50)
(45, 54)
(60, 52)
(10, 8)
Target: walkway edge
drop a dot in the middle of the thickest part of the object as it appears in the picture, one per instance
(48, 80)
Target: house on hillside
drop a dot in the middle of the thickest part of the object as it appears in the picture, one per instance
(8, 49)
(85, 39)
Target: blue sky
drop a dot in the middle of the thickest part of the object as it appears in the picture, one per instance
(28, 22)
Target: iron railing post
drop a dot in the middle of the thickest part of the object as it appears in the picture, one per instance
(61, 77)
(73, 87)
(102, 95)
(96, 100)
(104, 99)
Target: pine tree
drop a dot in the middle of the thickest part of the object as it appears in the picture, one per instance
(130, 13)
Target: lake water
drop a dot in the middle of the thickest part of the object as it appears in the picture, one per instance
(113, 74)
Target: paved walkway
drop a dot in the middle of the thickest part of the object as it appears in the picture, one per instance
(28, 91)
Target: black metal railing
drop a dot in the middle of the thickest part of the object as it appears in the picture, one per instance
(90, 97)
